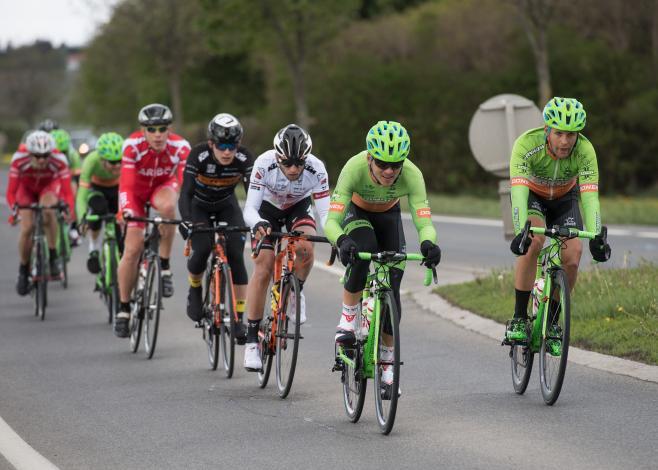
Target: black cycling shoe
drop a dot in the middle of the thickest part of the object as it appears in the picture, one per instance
(167, 284)
(194, 303)
(93, 262)
(122, 324)
(23, 284)
(55, 272)
(344, 337)
(240, 332)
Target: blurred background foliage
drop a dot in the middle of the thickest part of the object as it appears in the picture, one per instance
(339, 66)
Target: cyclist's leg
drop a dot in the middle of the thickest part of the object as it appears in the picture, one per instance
(359, 228)
(196, 263)
(300, 218)
(96, 205)
(24, 197)
(49, 197)
(164, 199)
(566, 213)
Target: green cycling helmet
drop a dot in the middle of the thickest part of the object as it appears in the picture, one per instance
(109, 146)
(62, 139)
(565, 114)
(388, 141)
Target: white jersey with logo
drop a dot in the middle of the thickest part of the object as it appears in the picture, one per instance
(268, 183)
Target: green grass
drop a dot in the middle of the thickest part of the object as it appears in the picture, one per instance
(612, 311)
(638, 210)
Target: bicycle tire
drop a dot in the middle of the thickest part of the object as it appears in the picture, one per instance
(227, 327)
(386, 406)
(152, 305)
(136, 321)
(209, 332)
(41, 284)
(265, 352)
(113, 291)
(63, 242)
(354, 384)
(287, 342)
(553, 368)
(521, 360)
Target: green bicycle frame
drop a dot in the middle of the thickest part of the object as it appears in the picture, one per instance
(109, 233)
(549, 259)
(377, 282)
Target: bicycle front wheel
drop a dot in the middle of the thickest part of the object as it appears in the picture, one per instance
(287, 335)
(63, 255)
(41, 282)
(111, 276)
(210, 331)
(152, 305)
(227, 327)
(387, 364)
(555, 343)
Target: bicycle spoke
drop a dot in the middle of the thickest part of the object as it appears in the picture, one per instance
(287, 336)
(387, 369)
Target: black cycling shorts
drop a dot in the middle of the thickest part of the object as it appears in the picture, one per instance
(297, 215)
(563, 211)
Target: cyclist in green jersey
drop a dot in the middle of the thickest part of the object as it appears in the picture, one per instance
(550, 167)
(364, 214)
(99, 189)
(63, 143)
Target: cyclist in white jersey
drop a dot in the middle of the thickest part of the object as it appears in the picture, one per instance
(283, 183)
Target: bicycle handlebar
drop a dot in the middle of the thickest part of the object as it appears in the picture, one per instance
(97, 217)
(567, 232)
(153, 220)
(392, 256)
(300, 235)
(221, 227)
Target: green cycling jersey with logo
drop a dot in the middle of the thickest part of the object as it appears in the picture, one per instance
(532, 168)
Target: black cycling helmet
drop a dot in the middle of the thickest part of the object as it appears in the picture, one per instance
(154, 114)
(48, 125)
(225, 129)
(292, 142)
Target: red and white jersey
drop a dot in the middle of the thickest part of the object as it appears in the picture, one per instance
(268, 183)
(22, 173)
(143, 169)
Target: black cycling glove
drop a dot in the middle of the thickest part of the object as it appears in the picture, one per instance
(600, 251)
(185, 229)
(431, 252)
(516, 247)
(347, 249)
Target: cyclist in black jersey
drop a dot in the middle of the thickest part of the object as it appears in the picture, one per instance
(212, 171)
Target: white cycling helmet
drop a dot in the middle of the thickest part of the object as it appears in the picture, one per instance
(40, 143)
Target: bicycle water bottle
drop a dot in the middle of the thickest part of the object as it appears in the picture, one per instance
(367, 308)
(141, 278)
(537, 293)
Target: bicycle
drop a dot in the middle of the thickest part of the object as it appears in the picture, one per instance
(361, 360)
(549, 326)
(106, 280)
(147, 295)
(39, 265)
(220, 316)
(274, 337)
(63, 244)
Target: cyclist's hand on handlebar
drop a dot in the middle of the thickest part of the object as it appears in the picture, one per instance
(12, 219)
(516, 246)
(262, 229)
(600, 248)
(431, 252)
(347, 249)
(185, 229)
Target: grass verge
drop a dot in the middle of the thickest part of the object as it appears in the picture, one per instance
(613, 311)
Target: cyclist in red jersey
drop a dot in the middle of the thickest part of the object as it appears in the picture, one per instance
(151, 171)
(38, 174)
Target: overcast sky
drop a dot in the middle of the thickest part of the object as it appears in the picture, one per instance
(60, 21)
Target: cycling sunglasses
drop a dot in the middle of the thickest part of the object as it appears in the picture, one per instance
(288, 162)
(113, 162)
(225, 146)
(152, 129)
(385, 165)
(41, 155)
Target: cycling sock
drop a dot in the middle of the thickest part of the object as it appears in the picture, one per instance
(193, 282)
(521, 305)
(94, 245)
(252, 331)
(240, 306)
(164, 263)
(125, 307)
(52, 252)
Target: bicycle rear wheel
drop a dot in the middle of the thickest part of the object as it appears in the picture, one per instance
(354, 383)
(521, 358)
(152, 305)
(113, 288)
(210, 331)
(386, 394)
(287, 335)
(136, 321)
(265, 351)
(555, 343)
(227, 327)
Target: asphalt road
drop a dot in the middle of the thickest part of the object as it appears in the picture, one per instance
(78, 396)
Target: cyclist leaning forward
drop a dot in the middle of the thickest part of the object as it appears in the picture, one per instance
(549, 168)
(365, 216)
(98, 192)
(213, 170)
(283, 182)
(38, 173)
(63, 143)
(151, 171)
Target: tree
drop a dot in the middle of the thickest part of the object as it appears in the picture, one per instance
(535, 16)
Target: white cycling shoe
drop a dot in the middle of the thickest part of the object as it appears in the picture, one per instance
(252, 360)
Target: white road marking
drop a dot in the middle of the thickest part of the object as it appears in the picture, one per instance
(19, 453)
